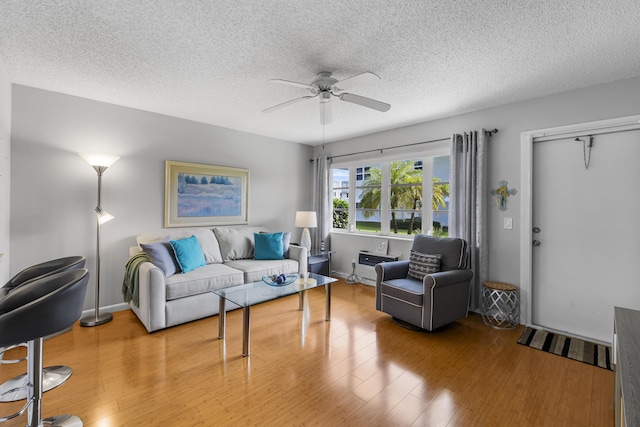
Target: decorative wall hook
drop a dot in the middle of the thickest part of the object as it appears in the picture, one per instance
(502, 194)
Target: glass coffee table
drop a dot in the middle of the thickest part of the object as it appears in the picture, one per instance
(255, 293)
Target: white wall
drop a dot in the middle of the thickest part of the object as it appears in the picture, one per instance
(5, 171)
(605, 101)
(54, 191)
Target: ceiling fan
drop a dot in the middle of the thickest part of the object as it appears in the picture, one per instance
(324, 87)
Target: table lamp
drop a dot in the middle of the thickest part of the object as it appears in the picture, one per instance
(306, 219)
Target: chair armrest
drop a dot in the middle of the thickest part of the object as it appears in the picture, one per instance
(446, 278)
(299, 254)
(391, 270)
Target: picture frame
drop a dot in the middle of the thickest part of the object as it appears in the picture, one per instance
(380, 246)
(204, 195)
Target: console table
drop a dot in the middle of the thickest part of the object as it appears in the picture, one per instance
(626, 356)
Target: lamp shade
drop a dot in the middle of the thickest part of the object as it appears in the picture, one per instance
(103, 216)
(104, 160)
(306, 219)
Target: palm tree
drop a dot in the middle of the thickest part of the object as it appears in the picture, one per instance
(408, 197)
(371, 195)
(440, 192)
(405, 196)
(400, 173)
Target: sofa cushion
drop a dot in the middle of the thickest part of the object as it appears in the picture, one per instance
(188, 253)
(162, 256)
(206, 239)
(268, 246)
(204, 279)
(422, 264)
(209, 244)
(236, 242)
(254, 269)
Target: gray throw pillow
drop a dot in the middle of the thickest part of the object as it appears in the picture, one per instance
(162, 256)
(422, 264)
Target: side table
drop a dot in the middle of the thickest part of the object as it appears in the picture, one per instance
(320, 263)
(500, 305)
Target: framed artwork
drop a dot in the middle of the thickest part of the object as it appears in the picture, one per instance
(380, 246)
(202, 195)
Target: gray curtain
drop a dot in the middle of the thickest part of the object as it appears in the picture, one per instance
(322, 202)
(468, 203)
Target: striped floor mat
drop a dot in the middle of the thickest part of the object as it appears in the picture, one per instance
(572, 348)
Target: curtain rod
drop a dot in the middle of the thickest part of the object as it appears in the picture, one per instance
(489, 133)
(389, 148)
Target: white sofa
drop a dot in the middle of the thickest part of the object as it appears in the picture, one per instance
(183, 297)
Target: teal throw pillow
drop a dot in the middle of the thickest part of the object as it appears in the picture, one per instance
(286, 242)
(188, 253)
(268, 246)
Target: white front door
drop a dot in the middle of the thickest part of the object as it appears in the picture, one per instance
(589, 233)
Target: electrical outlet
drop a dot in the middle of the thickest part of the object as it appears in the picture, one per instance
(508, 223)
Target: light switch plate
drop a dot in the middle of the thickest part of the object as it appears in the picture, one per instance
(508, 223)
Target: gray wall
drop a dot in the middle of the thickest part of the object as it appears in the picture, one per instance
(54, 191)
(5, 171)
(605, 101)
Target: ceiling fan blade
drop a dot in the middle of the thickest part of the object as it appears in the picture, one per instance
(326, 115)
(289, 102)
(365, 102)
(357, 80)
(296, 84)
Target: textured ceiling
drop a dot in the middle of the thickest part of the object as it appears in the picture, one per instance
(210, 61)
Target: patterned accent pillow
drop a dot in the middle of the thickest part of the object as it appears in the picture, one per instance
(422, 264)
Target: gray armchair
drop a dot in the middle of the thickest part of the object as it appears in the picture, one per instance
(438, 299)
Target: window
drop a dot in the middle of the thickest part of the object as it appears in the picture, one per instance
(405, 199)
(340, 198)
(440, 196)
(362, 173)
(388, 197)
(368, 198)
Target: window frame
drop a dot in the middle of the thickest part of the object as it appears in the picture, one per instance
(426, 155)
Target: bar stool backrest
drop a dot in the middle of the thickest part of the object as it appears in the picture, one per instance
(42, 306)
(41, 270)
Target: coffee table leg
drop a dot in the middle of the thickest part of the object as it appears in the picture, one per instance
(246, 323)
(327, 289)
(222, 318)
(301, 299)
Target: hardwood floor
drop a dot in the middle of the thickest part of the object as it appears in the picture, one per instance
(359, 369)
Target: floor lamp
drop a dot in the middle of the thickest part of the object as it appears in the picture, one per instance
(100, 163)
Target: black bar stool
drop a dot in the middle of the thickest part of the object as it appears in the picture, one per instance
(15, 388)
(32, 311)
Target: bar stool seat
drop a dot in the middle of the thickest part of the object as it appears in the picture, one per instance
(54, 376)
(32, 311)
